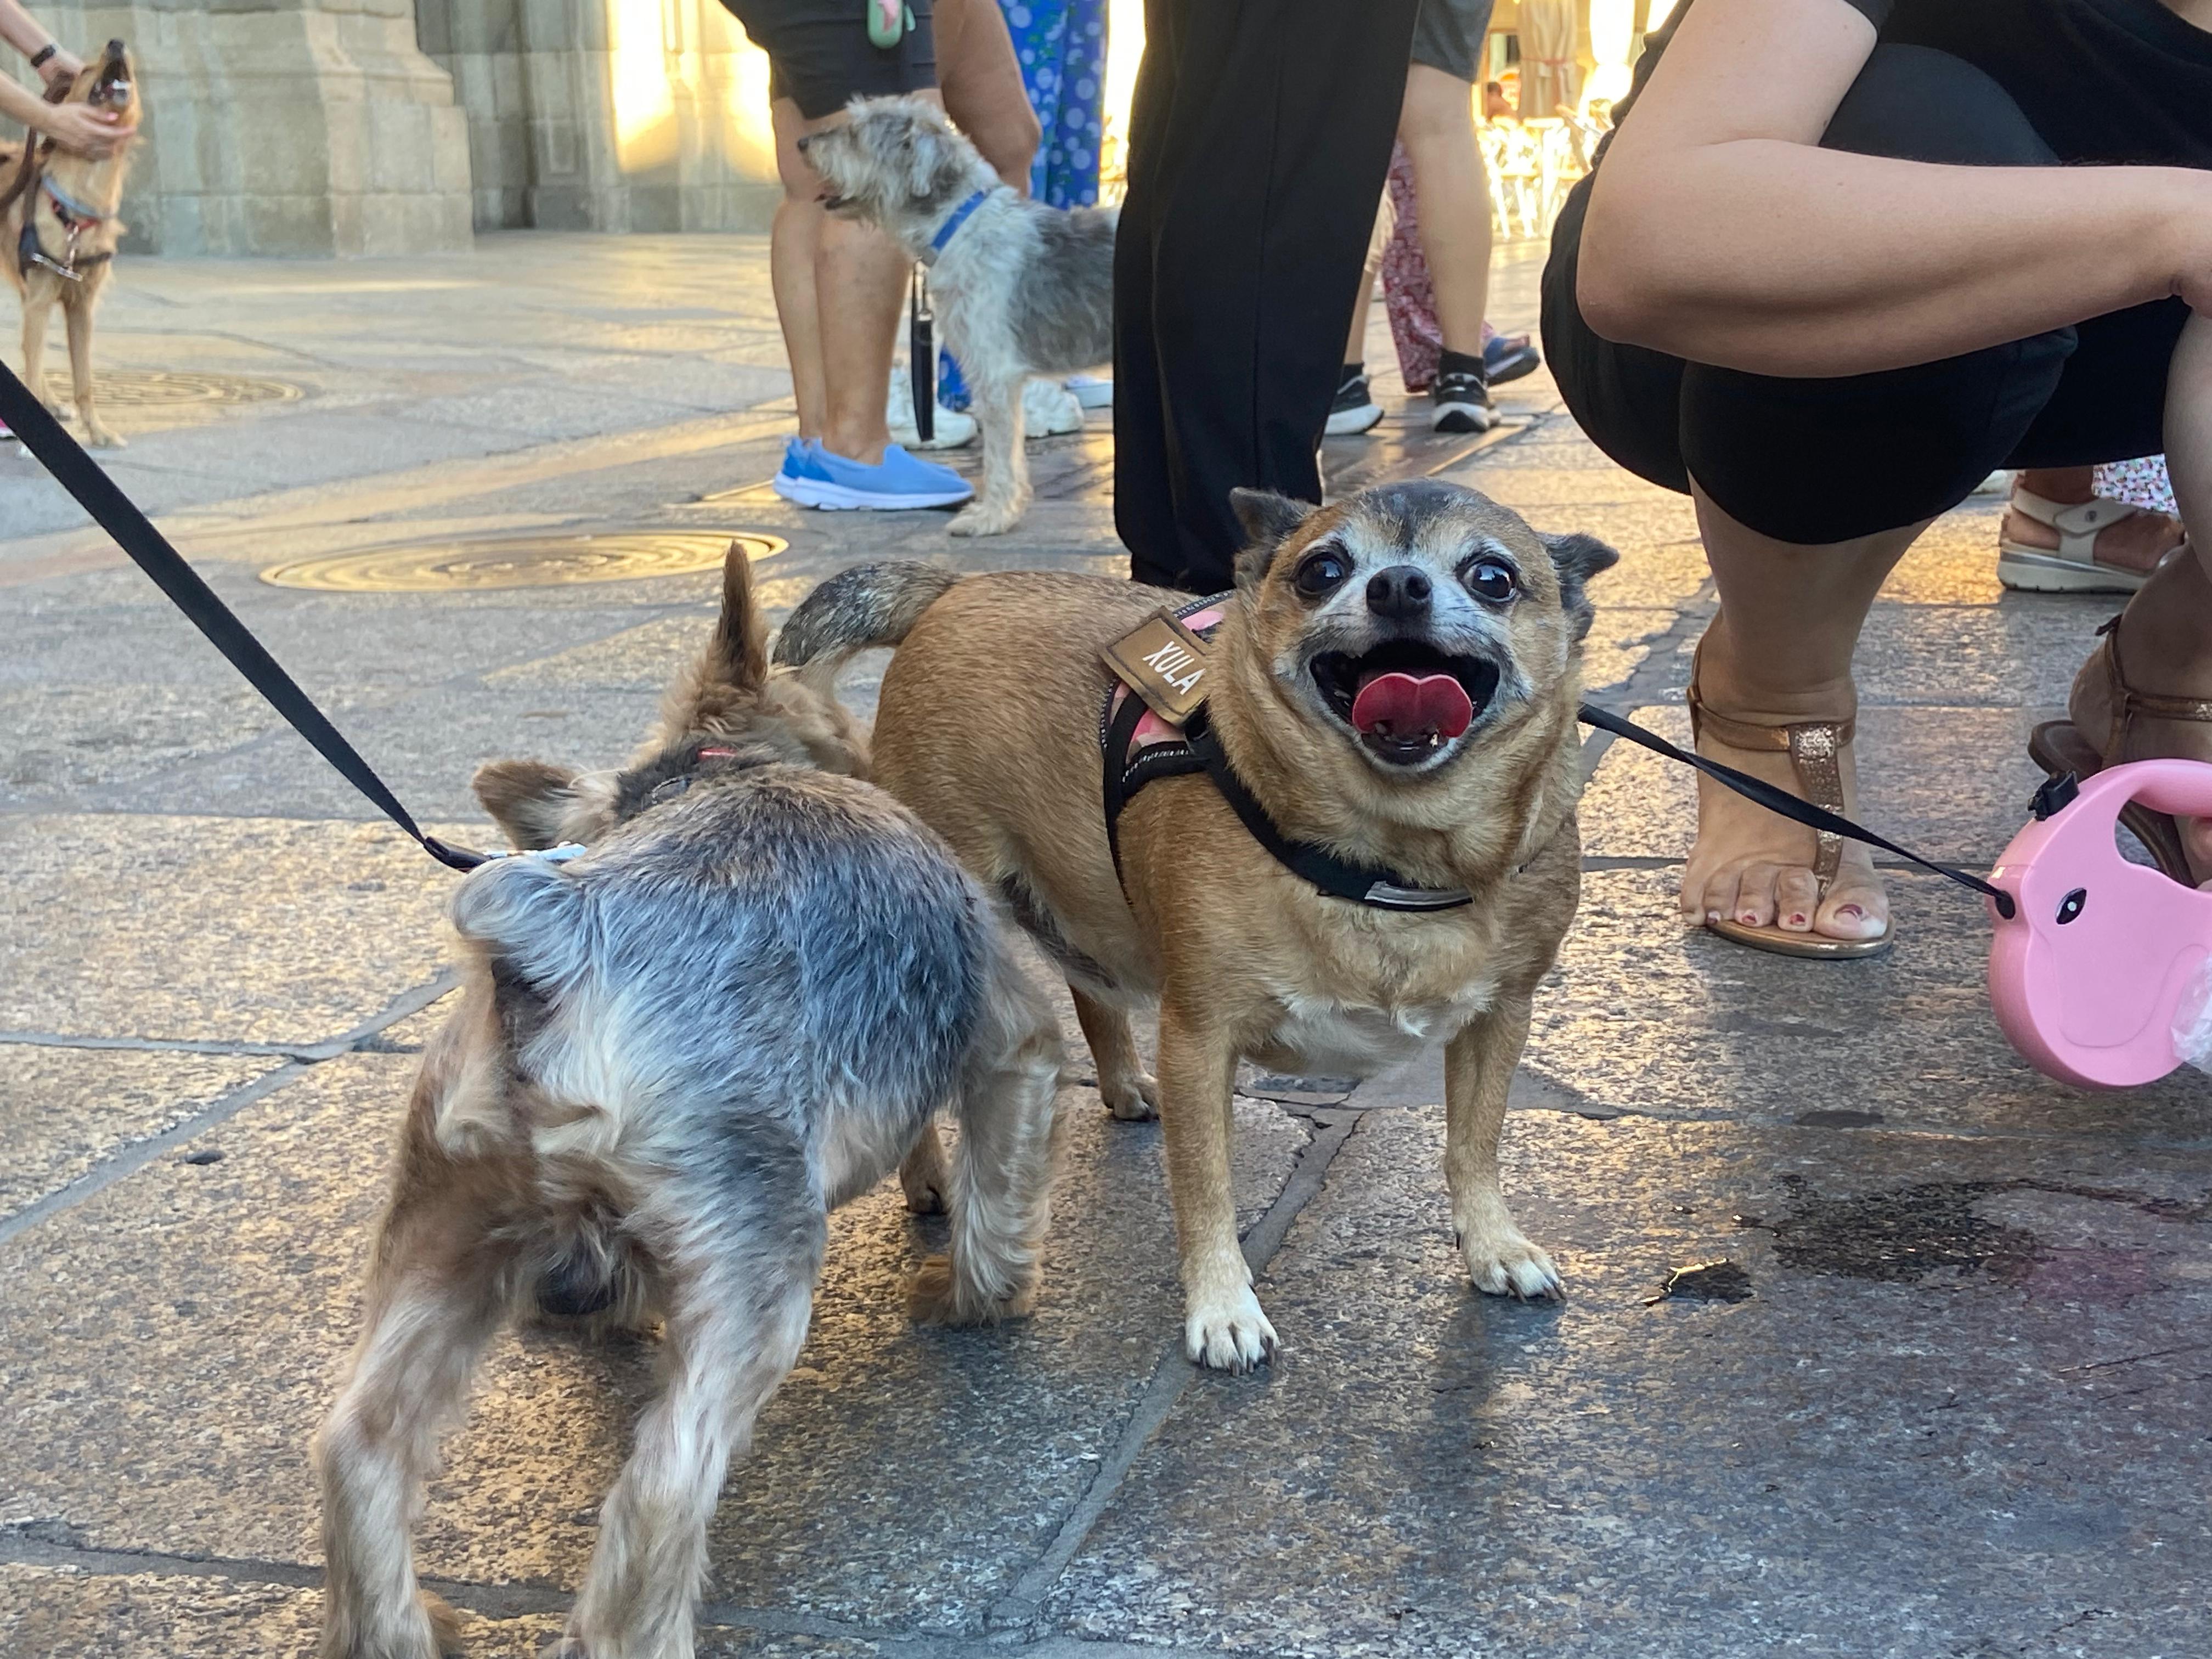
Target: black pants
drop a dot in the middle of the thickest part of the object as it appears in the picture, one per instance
(1258, 136)
(1813, 461)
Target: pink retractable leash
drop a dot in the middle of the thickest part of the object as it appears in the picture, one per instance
(2090, 972)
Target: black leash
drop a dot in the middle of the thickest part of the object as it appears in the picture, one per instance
(1779, 800)
(114, 512)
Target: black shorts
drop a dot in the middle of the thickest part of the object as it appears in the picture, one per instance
(1775, 453)
(820, 56)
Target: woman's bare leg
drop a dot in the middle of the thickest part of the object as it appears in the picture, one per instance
(1779, 652)
(794, 243)
(982, 86)
(2166, 633)
(1437, 126)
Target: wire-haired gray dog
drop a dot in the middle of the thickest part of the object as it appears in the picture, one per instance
(673, 1056)
(1021, 288)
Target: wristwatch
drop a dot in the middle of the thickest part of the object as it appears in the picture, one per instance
(44, 53)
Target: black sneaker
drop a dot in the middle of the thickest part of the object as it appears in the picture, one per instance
(1354, 411)
(1462, 403)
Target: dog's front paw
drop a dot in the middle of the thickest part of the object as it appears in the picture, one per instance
(444, 1626)
(1133, 1098)
(979, 519)
(939, 1296)
(105, 437)
(1227, 1332)
(1505, 1264)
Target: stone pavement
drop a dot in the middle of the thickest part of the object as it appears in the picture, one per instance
(1962, 1411)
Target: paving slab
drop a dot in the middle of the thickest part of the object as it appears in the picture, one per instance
(63, 1111)
(191, 1322)
(242, 930)
(61, 1613)
(1647, 1015)
(1949, 1419)
(426, 745)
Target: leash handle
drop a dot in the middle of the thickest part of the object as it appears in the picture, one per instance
(921, 354)
(1779, 800)
(116, 513)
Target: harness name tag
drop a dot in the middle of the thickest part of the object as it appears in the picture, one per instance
(1164, 663)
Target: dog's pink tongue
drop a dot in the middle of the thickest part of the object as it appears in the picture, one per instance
(1400, 705)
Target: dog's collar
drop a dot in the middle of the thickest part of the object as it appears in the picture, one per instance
(950, 228)
(1199, 749)
(69, 206)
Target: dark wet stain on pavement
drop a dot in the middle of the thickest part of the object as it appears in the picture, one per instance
(1900, 1237)
(1705, 1281)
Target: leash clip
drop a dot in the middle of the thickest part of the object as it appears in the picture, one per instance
(561, 854)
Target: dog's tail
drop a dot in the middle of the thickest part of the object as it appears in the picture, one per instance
(870, 604)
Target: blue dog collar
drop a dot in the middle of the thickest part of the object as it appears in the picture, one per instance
(950, 228)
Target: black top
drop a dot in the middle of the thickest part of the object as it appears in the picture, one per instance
(2101, 81)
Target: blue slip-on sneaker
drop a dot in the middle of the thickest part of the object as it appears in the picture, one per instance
(899, 481)
(1508, 357)
(800, 475)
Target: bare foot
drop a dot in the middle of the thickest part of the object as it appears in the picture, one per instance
(1752, 867)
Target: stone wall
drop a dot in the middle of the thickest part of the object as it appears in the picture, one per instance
(608, 114)
(284, 126)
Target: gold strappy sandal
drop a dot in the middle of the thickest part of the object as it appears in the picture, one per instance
(2062, 746)
(1814, 748)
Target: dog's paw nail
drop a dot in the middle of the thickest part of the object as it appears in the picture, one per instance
(1232, 1335)
(1514, 1268)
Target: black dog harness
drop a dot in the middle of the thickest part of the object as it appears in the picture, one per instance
(1199, 749)
(74, 218)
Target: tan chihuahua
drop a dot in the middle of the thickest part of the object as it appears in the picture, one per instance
(1392, 686)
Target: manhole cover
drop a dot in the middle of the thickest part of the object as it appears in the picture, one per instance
(519, 562)
(131, 388)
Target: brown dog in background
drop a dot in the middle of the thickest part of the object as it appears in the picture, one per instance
(58, 234)
(989, 728)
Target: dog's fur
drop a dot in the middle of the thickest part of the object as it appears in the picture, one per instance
(1021, 289)
(112, 81)
(988, 728)
(672, 1057)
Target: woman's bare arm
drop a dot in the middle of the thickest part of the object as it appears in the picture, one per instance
(1719, 231)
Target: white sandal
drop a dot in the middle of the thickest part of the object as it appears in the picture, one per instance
(2072, 566)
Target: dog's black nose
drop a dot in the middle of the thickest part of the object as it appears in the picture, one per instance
(1401, 593)
(803, 142)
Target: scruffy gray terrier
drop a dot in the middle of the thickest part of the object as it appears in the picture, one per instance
(1021, 289)
(673, 1056)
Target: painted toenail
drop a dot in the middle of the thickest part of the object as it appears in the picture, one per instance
(1853, 912)
(1797, 919)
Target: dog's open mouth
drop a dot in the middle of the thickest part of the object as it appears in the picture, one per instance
(1405, 699)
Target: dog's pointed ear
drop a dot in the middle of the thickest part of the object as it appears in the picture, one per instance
(1578, 558)
(739, 654)
(1268, 521)
(528, 799)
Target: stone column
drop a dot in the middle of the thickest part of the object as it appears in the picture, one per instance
(622, 115)
(285, 126)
